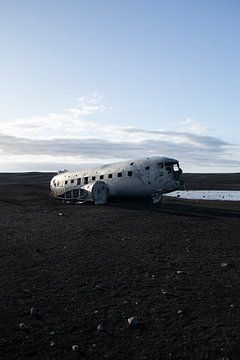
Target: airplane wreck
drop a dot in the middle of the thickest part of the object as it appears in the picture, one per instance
(149, 177)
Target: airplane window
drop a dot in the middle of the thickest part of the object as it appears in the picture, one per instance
(86, 180)
(93, 178)
(119, 174)
(147, 167)
(130, 173)
(110, 176)
(101, 177)
(72, 181)
(79, 181)
(66, 182)
(131, 163)
(175, 167)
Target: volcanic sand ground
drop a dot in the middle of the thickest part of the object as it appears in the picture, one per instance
(175, 269)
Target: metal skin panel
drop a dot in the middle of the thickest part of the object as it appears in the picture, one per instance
(143, 177)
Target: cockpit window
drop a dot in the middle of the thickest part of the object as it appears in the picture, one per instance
(175, 167)
(172, 167)
(169, 167)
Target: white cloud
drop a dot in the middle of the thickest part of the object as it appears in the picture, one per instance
(194, 126)
(72, 137)
(71, 122)
(88, 106)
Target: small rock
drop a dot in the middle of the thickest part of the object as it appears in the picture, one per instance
(100, 327)
(179, 312)
(60, 214)
(75, 348)
(133, 322)
(22, 326)
(100, 286)
(52, 343)
(36, 314)
(33, 311)
(224, 264)
(179, 272)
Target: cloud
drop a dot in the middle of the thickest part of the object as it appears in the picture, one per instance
(70, 122)
(69, 137)
(178, 137)
(193, 126)
(206, 150)
(88, 106)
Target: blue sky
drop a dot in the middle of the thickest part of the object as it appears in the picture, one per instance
(86, 82)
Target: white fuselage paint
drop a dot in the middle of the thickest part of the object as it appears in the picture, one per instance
(144, 177)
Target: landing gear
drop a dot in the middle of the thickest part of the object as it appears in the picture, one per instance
(157, 198)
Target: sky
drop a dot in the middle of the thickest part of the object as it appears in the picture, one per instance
(91, 82)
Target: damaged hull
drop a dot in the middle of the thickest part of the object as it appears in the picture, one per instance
(149, 177)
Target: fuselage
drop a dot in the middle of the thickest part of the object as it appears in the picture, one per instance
(143, 177)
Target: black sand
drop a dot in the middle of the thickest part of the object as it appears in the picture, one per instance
(67, 268)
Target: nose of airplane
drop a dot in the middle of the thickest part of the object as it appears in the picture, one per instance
(51, 183)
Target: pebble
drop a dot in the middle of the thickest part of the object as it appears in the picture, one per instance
(100, 327)
(52, 343)
(75, 348)
(32, 311)
(223, 264)
(22, 326)
(133, 322)
(179, 312)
